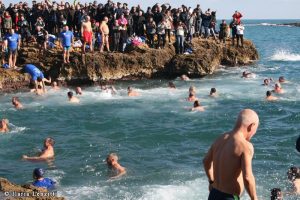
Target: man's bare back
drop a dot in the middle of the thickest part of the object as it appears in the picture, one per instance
(228, 163)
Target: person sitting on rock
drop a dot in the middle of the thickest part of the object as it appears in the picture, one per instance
(72, 99)
(46, 154)
(4, 126)
(270, 97)
(132, 93)
(40, 181)
(16, 103)
(197, 107)
(112, 162)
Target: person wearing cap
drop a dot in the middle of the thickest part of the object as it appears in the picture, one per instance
(4, 126)
(40, 181)
(47, 153)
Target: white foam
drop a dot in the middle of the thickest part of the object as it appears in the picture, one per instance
(284, 55)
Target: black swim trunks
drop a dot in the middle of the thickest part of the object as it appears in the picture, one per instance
(218, 195)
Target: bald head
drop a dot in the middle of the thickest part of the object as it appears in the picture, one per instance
(247, 122)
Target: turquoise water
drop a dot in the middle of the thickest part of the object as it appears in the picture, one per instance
(160, 143)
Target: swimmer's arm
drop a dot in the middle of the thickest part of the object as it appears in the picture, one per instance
(208, 164)
(122, 172)
(248, 176)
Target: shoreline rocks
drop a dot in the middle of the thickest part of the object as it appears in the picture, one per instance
(137, 63)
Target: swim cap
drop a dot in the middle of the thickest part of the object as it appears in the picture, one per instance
(38, 172)
(298, 144)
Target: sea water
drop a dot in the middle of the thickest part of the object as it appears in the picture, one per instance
(158, 140)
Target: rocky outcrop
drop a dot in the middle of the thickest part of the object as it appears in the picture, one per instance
(297, 24)
(10, 191)
(137, 63)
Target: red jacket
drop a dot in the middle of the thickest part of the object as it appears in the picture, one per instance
(238, 17)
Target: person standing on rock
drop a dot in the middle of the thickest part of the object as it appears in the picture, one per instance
(240, 34)
(12, 42)
(67, 39)
(104, 30)
(233, 26)
(228, 163)
(87, 34)
(237, 16)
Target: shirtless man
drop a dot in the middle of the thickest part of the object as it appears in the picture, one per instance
(39, 91)
(197, 107)
(184, 77)
(132, 93)
(104, 30)
(16, 103)
(294, 178)
(47, 153)
(270, 97)
(87, 34)
(55, 86)
(247, 75)
(228, 163)
(4, 126)
(112, 162)
(278, 89)
(72, 99)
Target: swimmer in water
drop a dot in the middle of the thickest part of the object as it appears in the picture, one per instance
(132, 93)
(266, 82)
(55, 86)
(192, 97)
(270, 97)
(184, 77)
(112, 162)
(213, 92)
(171, 85)
(78, 91)
(294, 178)
(16, 103)
(247, 75)
(192, 89)
(47, 153)
(276, 194)
(39, 90)
(4, 126)
(278, 89)
(282, 79)
(72, 99)
(197, 107)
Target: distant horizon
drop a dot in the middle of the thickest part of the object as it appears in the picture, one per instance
(251, 9)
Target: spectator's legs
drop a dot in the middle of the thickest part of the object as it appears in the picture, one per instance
(65, 55)
(206, 30)
(68, 56)
(10, 60)
(168, 31)
(238, 40)
(242, 40)
(14, 58)
(164, 40)
(107, 42)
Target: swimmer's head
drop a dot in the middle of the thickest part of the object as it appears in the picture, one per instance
(266, 81)
(4, 123)
(213, 91)
(111, 159)
(298, 144)
(276, 194)
(281, 79)
(129, 89)
(54, 84)
(49, 142)
(196, 104)
(293, 173)
(38, 173)
(247, 122)
(70, 95)
(78, 91)
(39, 87)
(277, 85)
(269, 93)
(15, 100)
(172, 85)
(191, 94)
(192, 89)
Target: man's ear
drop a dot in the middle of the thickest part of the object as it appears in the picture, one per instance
(249, 128)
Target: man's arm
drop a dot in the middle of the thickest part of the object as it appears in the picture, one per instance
(248, 176)
(208, 165)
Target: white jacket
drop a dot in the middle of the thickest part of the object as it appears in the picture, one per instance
(240, 29)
